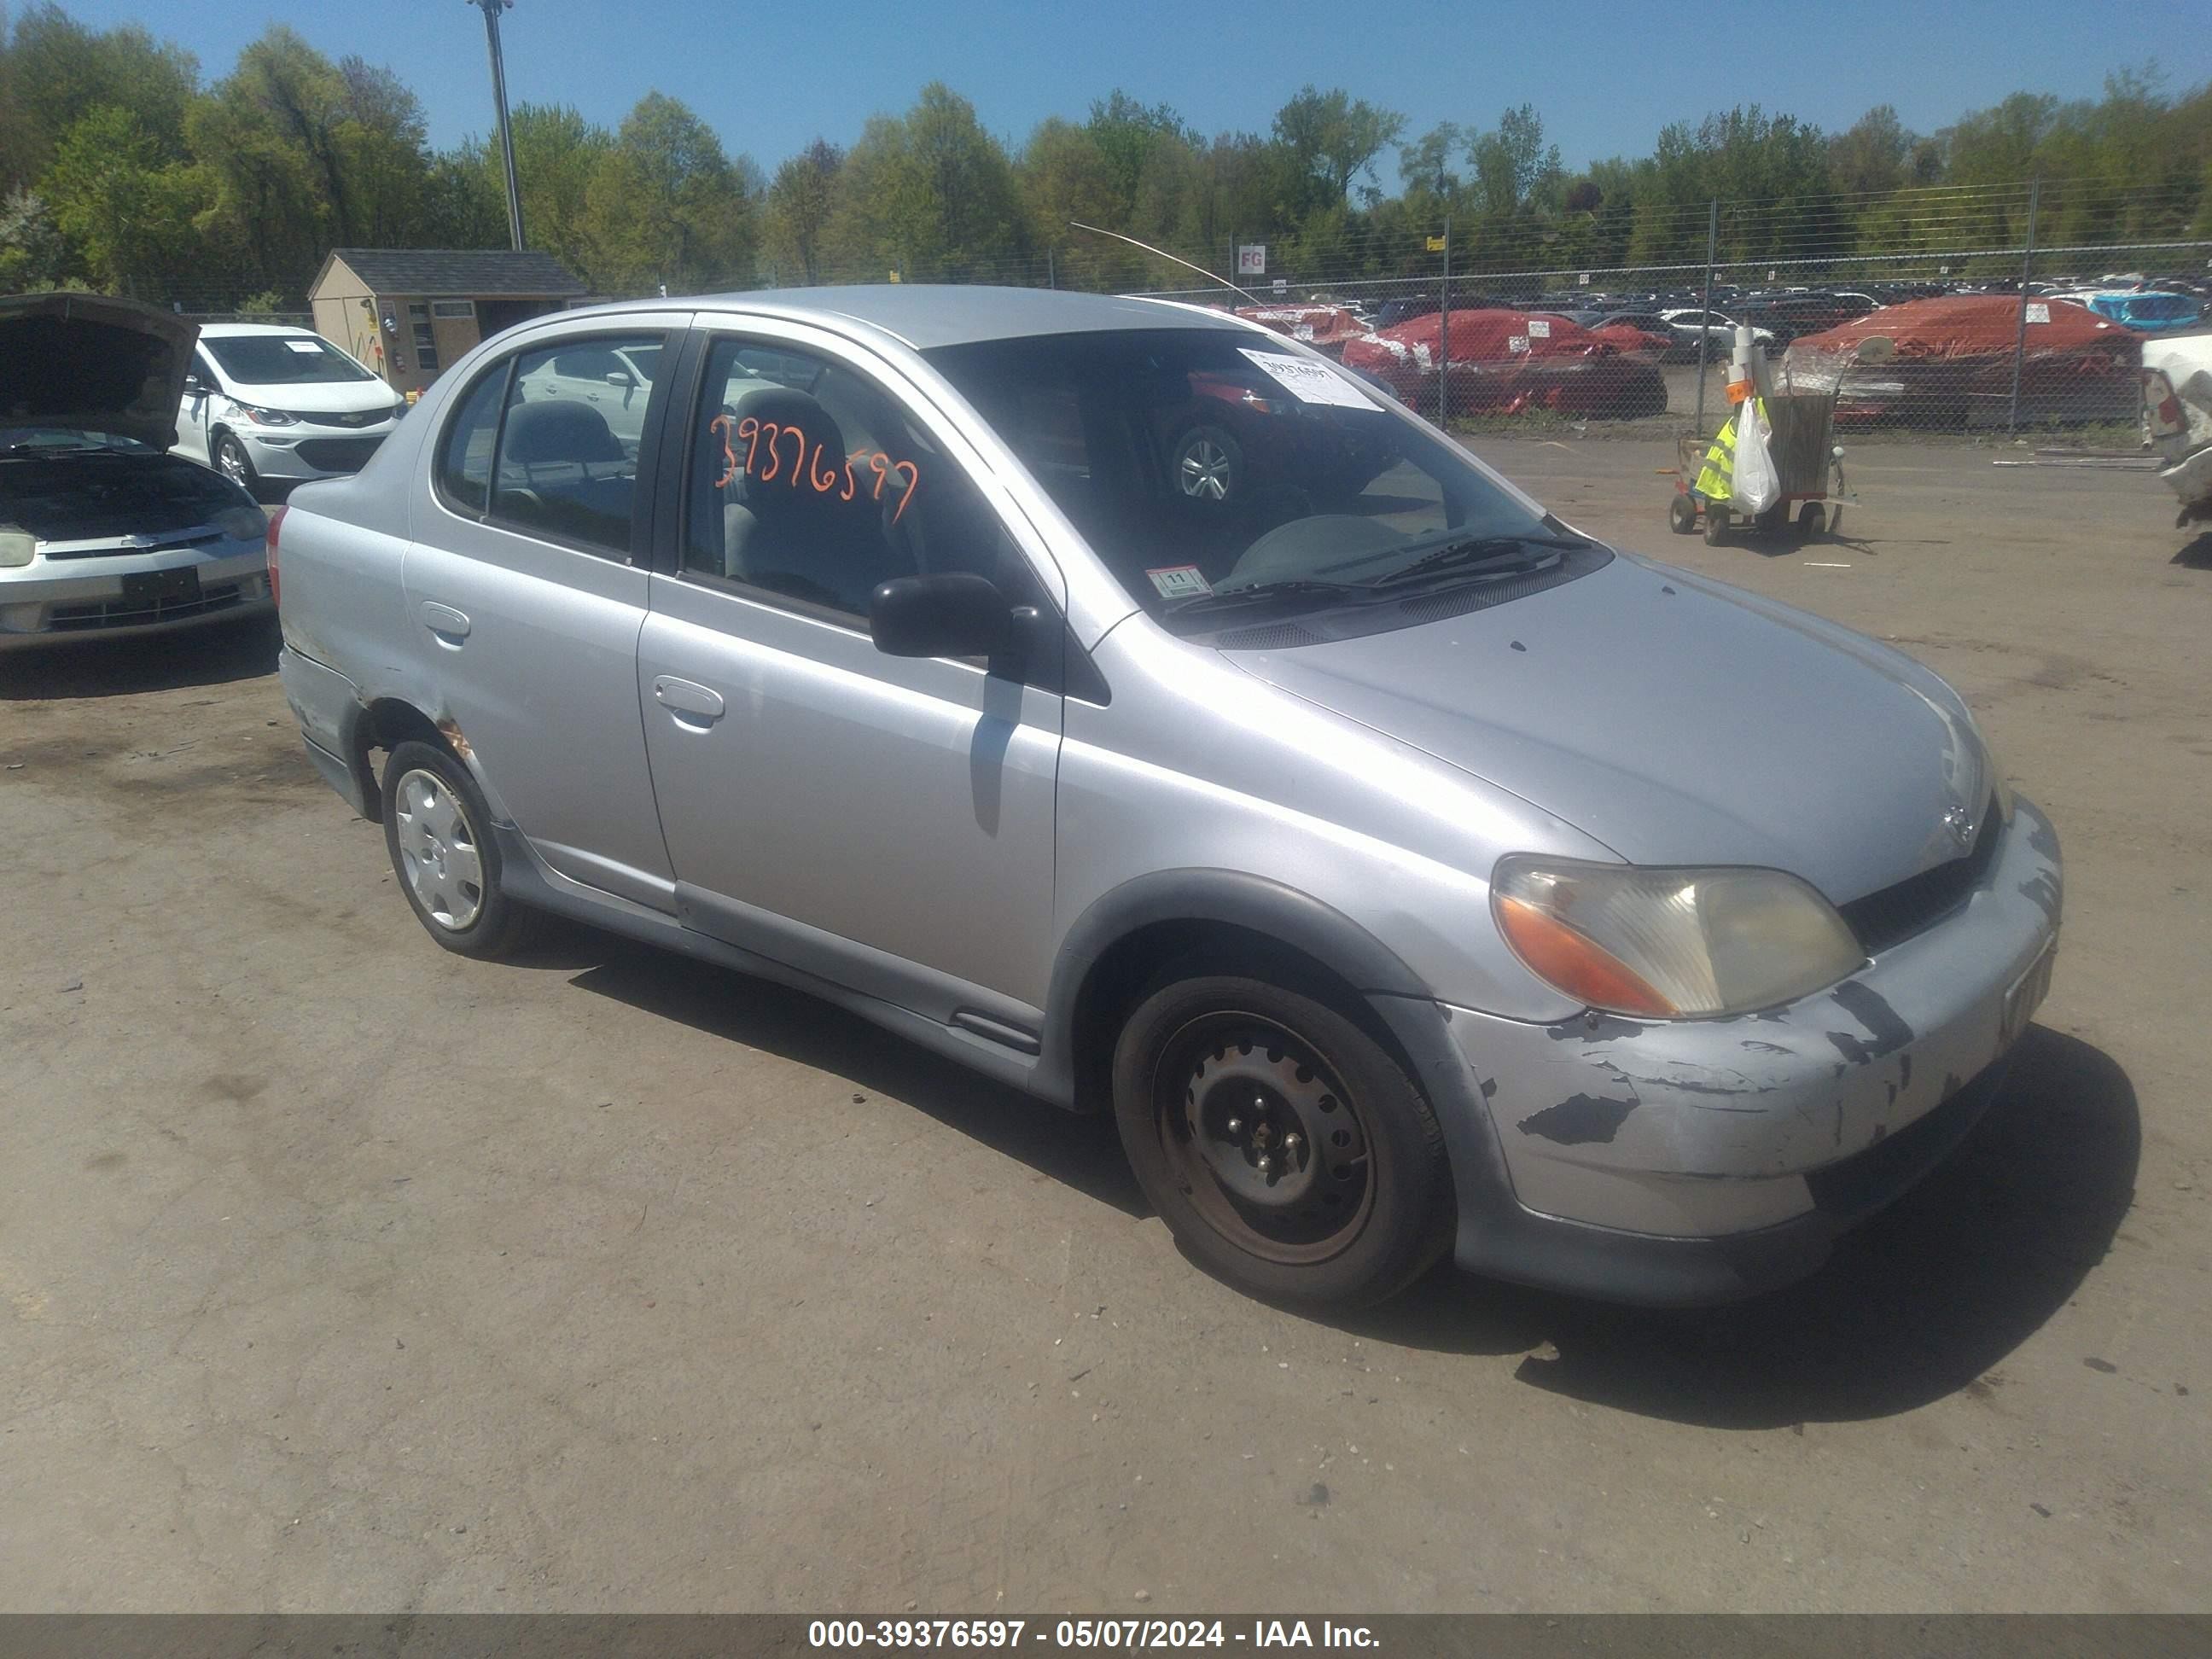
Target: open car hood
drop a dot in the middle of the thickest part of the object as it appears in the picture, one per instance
(93, 363)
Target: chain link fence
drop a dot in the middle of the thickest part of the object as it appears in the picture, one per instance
(2019, 308)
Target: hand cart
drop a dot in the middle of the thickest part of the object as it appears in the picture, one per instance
(1805, 460)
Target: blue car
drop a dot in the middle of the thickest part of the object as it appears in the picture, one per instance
(2149, 311)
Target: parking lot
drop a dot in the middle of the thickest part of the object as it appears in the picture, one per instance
(341, 1273)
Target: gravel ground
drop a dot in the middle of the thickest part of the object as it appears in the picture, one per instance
(339, 1273)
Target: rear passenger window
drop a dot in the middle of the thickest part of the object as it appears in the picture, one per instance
(567, 465)
(464, 463)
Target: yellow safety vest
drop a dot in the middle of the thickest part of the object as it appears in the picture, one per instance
(1717, 479)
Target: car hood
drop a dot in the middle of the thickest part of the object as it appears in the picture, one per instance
(93, 363)
(1678, 721)
(316, 397)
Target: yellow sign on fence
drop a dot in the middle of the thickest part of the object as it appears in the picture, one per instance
(1435, 244)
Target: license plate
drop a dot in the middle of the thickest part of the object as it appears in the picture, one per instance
(151, 587)
(2026, 996)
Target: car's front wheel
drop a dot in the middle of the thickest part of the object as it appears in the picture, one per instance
(1287, 1151)
(235, 464)
(437, 830)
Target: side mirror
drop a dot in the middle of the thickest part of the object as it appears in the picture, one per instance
(619, 377)
(953, 613)
(193, 387)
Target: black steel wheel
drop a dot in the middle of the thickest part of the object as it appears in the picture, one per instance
(1682, 515)
(1717, 524)
(1286, 1151)
(1812, 522)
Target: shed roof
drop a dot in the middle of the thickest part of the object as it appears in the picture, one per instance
(471, 272)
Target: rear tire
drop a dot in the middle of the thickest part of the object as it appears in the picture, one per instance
(1287, 1151)
(437, 830)
(1682, 515)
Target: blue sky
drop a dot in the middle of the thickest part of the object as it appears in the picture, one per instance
(769, 78)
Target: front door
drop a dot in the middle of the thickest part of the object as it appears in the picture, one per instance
(201, 391)
(526, 603)
(886, 822)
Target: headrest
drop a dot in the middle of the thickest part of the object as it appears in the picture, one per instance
(558, 430)
(789, 453)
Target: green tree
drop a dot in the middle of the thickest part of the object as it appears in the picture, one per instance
(1127, 135)
(127, 212)
(801, 200)
(33, 253)
(57, 71)
(1512, 163)
(1066, 176)
(667, 207)
(1332, 138)
(929, 194)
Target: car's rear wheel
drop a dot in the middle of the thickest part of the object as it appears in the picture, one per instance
(1209, 464)
(235, 464)
(1286, 1151)
(436, 828)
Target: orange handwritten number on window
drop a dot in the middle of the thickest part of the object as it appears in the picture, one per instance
(912, 478)
(823, 483)
(749, 429)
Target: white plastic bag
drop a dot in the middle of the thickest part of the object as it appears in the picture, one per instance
(1755, 486)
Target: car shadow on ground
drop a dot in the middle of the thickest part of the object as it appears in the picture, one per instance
(215, 653)
(1923, 1300)
(1082, 1152)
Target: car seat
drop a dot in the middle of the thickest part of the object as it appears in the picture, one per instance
(781, 529)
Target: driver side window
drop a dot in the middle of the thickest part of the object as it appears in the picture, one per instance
(810, 483)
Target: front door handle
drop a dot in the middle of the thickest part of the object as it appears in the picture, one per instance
(451, 626)
(692, 704)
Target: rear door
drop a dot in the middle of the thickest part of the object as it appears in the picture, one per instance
(883, 821)
(526, 589)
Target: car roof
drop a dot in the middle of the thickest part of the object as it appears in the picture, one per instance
(925, 315)
(238, 330)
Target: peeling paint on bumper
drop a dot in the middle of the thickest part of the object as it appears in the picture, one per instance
(1701, 1129)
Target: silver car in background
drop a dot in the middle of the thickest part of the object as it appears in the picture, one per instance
(102, 530)
(1408, 873)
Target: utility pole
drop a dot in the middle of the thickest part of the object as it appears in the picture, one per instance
(1706, 317)
(2027, 271)
(1444, 336)
(491, 10)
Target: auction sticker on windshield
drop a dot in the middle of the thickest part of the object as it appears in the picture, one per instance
(1310, 383)
(1180, 582)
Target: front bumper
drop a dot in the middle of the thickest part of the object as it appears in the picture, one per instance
(1699, 1161)
(66, 599)
(308, 451)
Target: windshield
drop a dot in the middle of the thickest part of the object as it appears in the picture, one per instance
(283, 359)
(1201, 464)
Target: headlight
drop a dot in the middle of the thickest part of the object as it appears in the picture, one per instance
(16, 546)
(267, 416)
(1670, 943)
(243, 524)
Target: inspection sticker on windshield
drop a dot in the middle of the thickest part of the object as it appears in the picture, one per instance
(310, 347)
(1310, 383)
(2039, 314)
(1180, 582)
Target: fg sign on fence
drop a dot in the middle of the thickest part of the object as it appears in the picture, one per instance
(1251, 259)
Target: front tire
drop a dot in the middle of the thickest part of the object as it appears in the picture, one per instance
(437, 830)
(1287, 1151)
(235, 464)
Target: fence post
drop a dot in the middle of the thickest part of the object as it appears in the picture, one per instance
(2026, 264)
(1705, 316)
(1051, 269)
(1444, 337)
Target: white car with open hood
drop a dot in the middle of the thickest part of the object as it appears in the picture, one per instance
(102, 530)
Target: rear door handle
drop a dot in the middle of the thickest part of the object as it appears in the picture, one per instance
(692, 704)
(451, 626)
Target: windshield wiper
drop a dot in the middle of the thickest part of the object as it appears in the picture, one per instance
(1477, 551)
(1297, 589)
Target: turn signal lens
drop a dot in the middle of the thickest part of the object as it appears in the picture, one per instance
(1564, 958)
(1670, 943)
